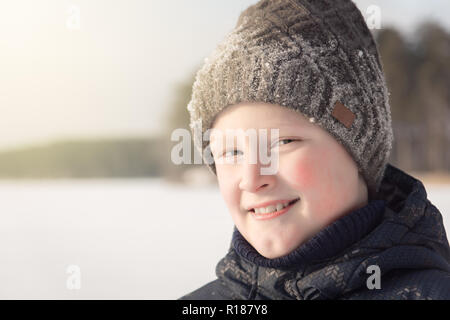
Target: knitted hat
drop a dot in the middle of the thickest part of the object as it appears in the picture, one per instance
(316, 57)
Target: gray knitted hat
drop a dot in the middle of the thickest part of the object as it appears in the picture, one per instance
(316, 57)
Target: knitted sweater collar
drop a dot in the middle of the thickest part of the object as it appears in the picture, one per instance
(325, 244)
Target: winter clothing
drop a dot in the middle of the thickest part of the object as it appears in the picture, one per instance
(400, 231)
(316, 57)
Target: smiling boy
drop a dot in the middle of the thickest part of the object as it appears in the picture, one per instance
(334, 207)
(311, 164)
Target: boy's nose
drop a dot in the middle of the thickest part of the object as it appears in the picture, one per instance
(252, 179)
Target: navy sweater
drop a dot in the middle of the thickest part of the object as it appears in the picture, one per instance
(400, 232)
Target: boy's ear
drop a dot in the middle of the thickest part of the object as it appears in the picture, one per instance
(360, 175)
(370, 193)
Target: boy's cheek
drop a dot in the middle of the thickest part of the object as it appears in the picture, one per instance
(313, 177)
(306, 172)
(232, 202)
(229, 189)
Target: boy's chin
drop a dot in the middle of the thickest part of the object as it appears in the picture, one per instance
(275, 252)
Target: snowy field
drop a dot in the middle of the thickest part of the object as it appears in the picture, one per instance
(128, 239)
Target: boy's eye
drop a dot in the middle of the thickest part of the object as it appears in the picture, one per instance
(289, 140)
(230, 153)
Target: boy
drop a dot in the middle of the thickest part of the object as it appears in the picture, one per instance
(334, 220)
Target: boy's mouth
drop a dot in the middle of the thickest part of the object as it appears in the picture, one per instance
(270, 215)
(273, 208)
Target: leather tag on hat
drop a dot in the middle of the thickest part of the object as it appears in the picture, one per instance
(343, 114)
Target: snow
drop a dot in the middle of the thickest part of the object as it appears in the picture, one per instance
(130, 239)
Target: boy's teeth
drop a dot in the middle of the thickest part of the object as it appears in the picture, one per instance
(270, 209)
(260, 210)
(279, 206)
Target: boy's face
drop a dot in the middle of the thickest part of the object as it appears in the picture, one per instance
(312, 167)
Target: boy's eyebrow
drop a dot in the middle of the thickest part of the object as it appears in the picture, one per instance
(281, 127)
(290, 126)
(282, 130)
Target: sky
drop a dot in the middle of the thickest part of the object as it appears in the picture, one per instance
(97, 68)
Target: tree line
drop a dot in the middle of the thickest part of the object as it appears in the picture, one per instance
(418, 76)
(417, 72)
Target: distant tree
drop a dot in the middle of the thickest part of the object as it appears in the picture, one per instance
(417, 73)
(395, 59)
(433, 92)
(178, 117)
(105, 158)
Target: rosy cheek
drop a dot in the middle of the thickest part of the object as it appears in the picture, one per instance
(305, 172)
(311, 178)
(303, 176)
